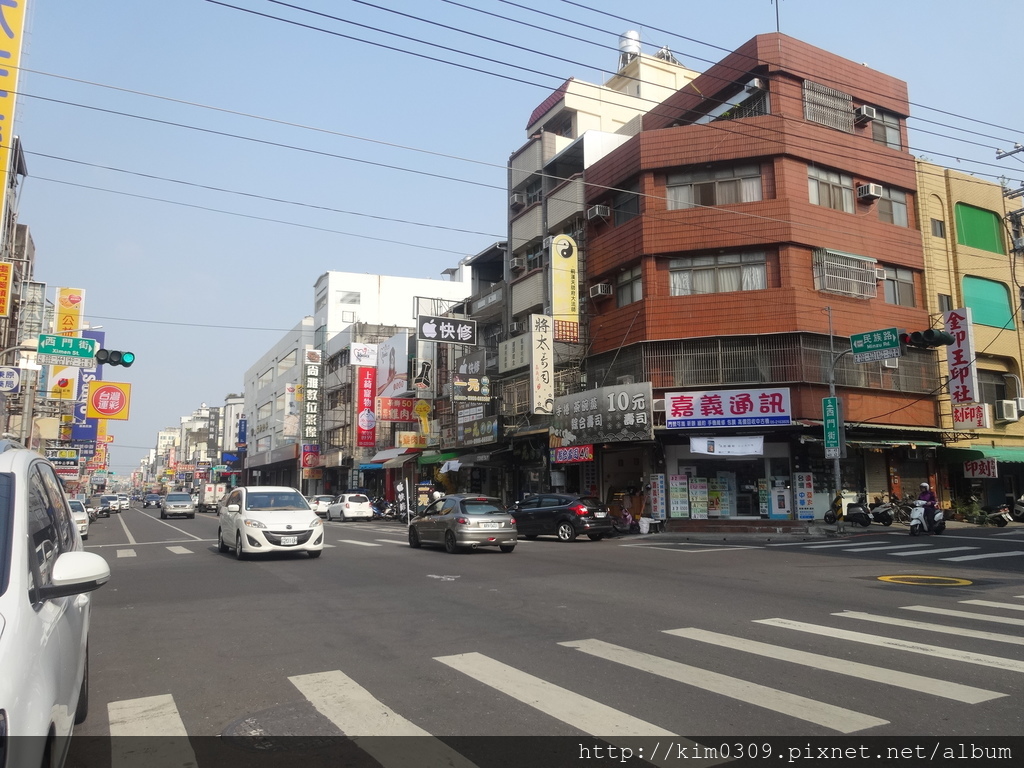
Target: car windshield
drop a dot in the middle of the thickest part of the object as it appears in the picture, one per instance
(108, 498)
(483, 507)
(152, 496)
(323, 498)
(591, 501)
(275, 501)
(179, 497)
(356, 498)
(76, 505)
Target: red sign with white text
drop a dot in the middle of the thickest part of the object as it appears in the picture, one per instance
(366, 419)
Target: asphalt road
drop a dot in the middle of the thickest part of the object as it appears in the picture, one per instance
(644, 637)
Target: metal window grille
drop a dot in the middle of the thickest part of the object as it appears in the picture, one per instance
(845, 274)
(828, 106)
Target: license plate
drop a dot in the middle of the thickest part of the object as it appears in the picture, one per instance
(600, 514)
(490, 525)
(287, 541)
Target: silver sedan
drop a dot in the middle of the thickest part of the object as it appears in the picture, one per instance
(463, 521)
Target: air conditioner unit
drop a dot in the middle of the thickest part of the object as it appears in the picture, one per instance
(864, 114)
(518, 327)
(755, 85)
(599, 290)
(598, 212)
(517, 263)
(517, 201)
(1020, 403)
(1006, 410)
(879, 273)
(869, 191)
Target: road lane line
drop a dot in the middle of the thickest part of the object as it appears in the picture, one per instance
(844, 544)
(393, 541)
(939, 652)
(991, 604)
(363, 718)
(358, 543)
(149, 716)
(126, 553)
(959, 631)
(124, 525)
(180, 550)
(965, 614)
(963, 693)
(930, 551)
(962, 558)
(818, 712)
(889, 546)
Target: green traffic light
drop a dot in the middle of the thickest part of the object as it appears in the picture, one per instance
(127, 358)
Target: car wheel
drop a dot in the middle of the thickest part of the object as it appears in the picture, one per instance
(414, 538)
(314, 553)
(506, 548)
(239, 553)
(566, 532)
(595, 536)
(82, 710)
(449, 543)
(221, 546)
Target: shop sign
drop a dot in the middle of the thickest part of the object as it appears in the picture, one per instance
(396, 409)
(572, 454)
(470, 382)
(983, 468)
(450, 330)
(542, 365)
(963, 370)
(728, 446)
(65, 461)
(971, 416)
(363, 354)
(310, 456)
(679, 495)
(621, 413)
(410, 440)
(657, 496)
(563, 256)
(728, 408)
(366, 419)
(803, 489)
(479, 432)
(310, 400)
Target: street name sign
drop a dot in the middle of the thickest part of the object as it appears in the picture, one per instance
(876, 345)
(69, 351)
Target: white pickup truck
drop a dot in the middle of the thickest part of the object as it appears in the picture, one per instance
(210, 495)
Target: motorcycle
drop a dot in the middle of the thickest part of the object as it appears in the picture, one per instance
(855, 512)
(998, 515)
(624, 524)
(1018, 510)
(919, 520)
(882, 512)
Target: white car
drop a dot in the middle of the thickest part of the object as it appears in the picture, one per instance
(319, 504)
(81, 516)
(125, 502)
(268, 518)
(351, 506)
(45, 576)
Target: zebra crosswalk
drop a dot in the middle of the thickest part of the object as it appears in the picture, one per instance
(944, 549)
(340, 699)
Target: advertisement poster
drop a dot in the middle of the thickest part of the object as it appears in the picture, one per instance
(803, 486)
(657, 497)
(699, 498)
(679, 496)
(365, 401)
(762, 496)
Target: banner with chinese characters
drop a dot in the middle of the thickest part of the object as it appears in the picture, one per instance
(396, 409)
(12, 16)
(963, 369)
(620, 413)
(728, 408)
(5, 288)
(310, 402)
(983, 468)
(470, 382)
(565, 280)
(572, 454)
(450, 330)
(968, 416)
(803, 491)
(542, 365)
(366, 420)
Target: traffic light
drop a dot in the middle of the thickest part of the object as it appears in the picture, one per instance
(114, 357)
(926, 339)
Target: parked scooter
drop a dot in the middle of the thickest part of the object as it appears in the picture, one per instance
(1018, 510)
(882, 512)
(856, 512)
(919, 520)
(998, 515)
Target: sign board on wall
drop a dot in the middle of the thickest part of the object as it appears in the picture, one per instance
(971, 416)
(960, 357)
(981, 468)
(620, 413)
(728, 408)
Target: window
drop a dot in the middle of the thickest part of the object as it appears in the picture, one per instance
(265, 379)
(989, 302)
(535, 256)
(348, 297)
(625, 205)
(899, 286)
(722, 273)
(629, 287)
(892, 207)
(533, 192)
(992, 386)
(844, 273)
(49, 524)
(830, 189)
(265, 410)
(321, 302)
(885, 129)
(828, 106)
(945, 302)
(286, 362)
(938, 228)
(978, 228)
(722, 186)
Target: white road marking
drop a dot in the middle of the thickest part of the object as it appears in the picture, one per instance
(890, 546)
(965, 615)
(844, 544)
(124, 525)
(392, 541)
(930, 551)
(982, 557)
(358, 543)
(164, 522)
(126, 553)
(991, 604)
(180, 550)
(946, 654)
(964, 693)
(166, 744)
(959, 631)
(801, 707)
(361, 717)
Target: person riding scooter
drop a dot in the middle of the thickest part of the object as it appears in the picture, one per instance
(931, 503)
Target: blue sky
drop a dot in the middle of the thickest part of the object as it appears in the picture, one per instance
(195, 167)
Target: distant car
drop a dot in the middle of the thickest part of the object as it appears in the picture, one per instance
(351, 506)
(462, 520)
(81, 515)
(565, 515)
(178, 505)
(319, 504)
(152, 500)
(108, 503)
(268, 518)
(126, 503)
(44, 612)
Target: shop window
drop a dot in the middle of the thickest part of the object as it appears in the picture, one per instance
(722, 273)
(830, 189)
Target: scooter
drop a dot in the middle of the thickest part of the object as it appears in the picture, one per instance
(855, 513)
(882, 512)
(919, 520)
(1018, 510)
(998, 515)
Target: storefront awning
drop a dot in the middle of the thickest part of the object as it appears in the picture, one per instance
(437, 458)
(367, 467)
(387, 454)
(398, 461)
(1004, 453)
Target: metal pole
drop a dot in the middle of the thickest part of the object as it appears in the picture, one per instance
(836, 472)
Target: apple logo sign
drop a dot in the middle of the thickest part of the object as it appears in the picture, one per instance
(430, 329)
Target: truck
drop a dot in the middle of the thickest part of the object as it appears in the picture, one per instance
(210, 495)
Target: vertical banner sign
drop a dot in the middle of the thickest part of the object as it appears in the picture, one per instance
(658, 501)
(70, 306)
(963, 371)
(366, 385)
(542, 366)
(5, 288)
(32, 307)
(565, 281)
(240, 440)
(679, 496)
(310, 415)
(804, 495)
(84, 428)
(835, 429)
(12, 24)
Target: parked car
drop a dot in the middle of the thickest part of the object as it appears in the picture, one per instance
(108, 503)
(178, 505)
(267, 518)
(81, 516)
(351, 506)
(463, 520)
(152, 500)
(126, 503)
(44, 612)
(319, 504)
(565, 515)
